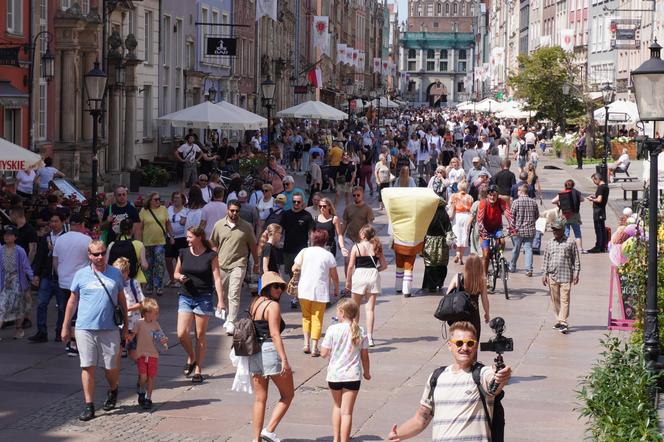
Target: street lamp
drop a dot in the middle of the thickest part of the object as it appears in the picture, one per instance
(349, 97)
(47, 72)
(268, 88)
(648, 80)
(95, 88)
(212, 94)
(607, 97)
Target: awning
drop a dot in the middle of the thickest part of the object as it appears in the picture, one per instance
(10, 97)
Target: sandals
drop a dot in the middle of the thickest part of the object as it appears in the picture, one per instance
(456, 259)
(188, 368)
(306, 350)
(315, 353)
(197, 378)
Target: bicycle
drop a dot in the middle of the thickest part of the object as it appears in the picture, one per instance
(498, 266)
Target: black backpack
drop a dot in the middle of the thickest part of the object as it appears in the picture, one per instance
(523, 151)
(125, 249)
(497, 421)
(455, 306)
(274, 217)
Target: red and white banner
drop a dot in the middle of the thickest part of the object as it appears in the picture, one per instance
(385, 68)
(376, 65)
(356, 55)
(266, 7)
(341, 53)
(567, 40)
(315, 77)
(321, 34)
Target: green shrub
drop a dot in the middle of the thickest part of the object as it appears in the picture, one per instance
(572, 161)
(616, 395)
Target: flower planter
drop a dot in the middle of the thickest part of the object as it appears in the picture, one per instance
(618, 146)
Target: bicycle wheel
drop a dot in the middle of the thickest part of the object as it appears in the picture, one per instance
(505, 274)
(493, 275)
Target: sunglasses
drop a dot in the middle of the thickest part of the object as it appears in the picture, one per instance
(233, 210)
(297, 202)
(357, 195)
(279, 286)
(97, 254)
(203, 181)
(469, 342)
(156, 199)
(322, 206)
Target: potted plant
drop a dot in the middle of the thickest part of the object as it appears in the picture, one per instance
(155, 176)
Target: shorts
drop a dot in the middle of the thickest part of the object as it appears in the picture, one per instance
(97, 346)
(173, 250)
(344, 187)
(199, 305)
(266, 362)
(486, 242)
(345, 385)
(366, 281)
(147, 365)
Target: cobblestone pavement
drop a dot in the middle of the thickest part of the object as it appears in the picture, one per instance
(40, 392)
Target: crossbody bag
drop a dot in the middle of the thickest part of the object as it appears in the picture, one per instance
(166, 235)
(118, 313)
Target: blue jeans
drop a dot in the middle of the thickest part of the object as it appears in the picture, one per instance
(527, 244)
(48, 287)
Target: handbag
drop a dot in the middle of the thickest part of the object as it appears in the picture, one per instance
(118, 313)
(291, 288)
(450, 238)
(167, 237)
(455, 306)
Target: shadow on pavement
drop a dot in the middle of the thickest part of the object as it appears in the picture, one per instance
(519, 379)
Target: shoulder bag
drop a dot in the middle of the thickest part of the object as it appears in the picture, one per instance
(167, 237)
(118, 313)
(455, 306)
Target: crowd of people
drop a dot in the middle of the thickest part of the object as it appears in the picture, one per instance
(212, 238)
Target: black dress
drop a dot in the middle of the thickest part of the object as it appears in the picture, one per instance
(331, 245)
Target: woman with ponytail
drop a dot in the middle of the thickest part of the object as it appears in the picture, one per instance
(268, 250)
(347, 349)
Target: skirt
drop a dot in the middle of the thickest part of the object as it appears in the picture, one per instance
(436, 252)
(460, 228)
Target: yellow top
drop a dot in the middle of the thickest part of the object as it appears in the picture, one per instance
(410, 211)
(335, 154)
(153, 235)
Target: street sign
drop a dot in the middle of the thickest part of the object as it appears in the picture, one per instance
(221, 46)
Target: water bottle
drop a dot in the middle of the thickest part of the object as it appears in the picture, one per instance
(156, 338)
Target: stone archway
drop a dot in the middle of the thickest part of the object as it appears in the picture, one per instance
(436, 94)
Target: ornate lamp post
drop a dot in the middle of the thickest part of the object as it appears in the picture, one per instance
(607, 97)
(268, 88)
(648, 81)
(95, 88)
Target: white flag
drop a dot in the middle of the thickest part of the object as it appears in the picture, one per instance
(321, 34)
(393, 69)
(266, 7)
(567, 40)
(349, 56)
(376, 65)
(341, 53)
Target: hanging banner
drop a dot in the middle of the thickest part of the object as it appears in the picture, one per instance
(321, 34)
(393, 69)
(354, 62)
(221, 46)
(376, 65)
(349, 56)
(567, 40)
(267, 8)
(341, 53)
(361, 58)
(385, 71)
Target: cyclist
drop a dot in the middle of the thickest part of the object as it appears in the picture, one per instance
(490, 222)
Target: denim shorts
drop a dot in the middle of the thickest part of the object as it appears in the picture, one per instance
(487, 242)
(199, 305)
(266, 362)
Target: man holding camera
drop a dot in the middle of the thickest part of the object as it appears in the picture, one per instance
(455, 403)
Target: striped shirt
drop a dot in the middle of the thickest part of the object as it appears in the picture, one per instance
(458, 413)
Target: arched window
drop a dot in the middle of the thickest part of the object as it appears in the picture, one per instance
(439, 9)
(455, 9)
(463, 9)
(431, 53)
(411, 53)
(447, 9)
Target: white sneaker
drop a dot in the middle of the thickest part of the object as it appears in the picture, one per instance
(230, 328)
(371, 342)
(269, 436)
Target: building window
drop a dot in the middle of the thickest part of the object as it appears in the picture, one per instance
(412, 53)
(447, 9)
(439, 9)
(462, 54)
(204, 19)
(166, 39)
(430, 9)
(189, 55)
(419, 9)
(85, 7)
(12, 125)
(463, 9)
(454, 9)
(147, 111)
(15, 17)
(460, 87)
(164, 99)
(43, 91)
(64, 4)
(442, 66)
(431, 53)
(412, 65)
(178, 43)
(147, 38)
(462, 66)
(431, 65)
(443, 54)
(178, 99)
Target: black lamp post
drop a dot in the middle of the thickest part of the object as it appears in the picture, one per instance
(47, 72)
(268, 88)
(607, 97)
(212, 94)
(95, 88)
(648, 81)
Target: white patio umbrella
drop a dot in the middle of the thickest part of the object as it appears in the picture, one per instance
(488, 105)
(208, 115)
(14, 158)
(385, 103)
(515, 113)
(467, 106)
(620, 111)
(315, 110)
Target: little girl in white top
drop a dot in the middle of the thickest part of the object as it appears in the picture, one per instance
(347, 348)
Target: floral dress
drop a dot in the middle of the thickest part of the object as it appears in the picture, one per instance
(12, 298)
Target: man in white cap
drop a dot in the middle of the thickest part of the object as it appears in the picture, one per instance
(474, 173)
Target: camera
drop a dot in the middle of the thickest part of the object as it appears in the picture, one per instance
(498, 344)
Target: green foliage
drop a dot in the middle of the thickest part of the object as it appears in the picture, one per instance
(616, 395)
(540, 79)
(155, 176)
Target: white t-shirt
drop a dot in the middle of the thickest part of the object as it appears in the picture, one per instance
(188, 152)
(25, 180)
(46, 174)
(179, 231)
(456, 175)
(623, 161)
(207, 193)
(72, 252)
(134, 294)
(530, 138)
(211, 213)
(264, 208)
(193, 218)
(315, 263)
(345, 361)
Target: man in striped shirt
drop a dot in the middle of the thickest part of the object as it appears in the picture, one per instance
(455, 406)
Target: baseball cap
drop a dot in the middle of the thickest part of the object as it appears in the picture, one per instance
(242, 194)
(558, 224)
(492, 188)
(10, 230)
(281, 198)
